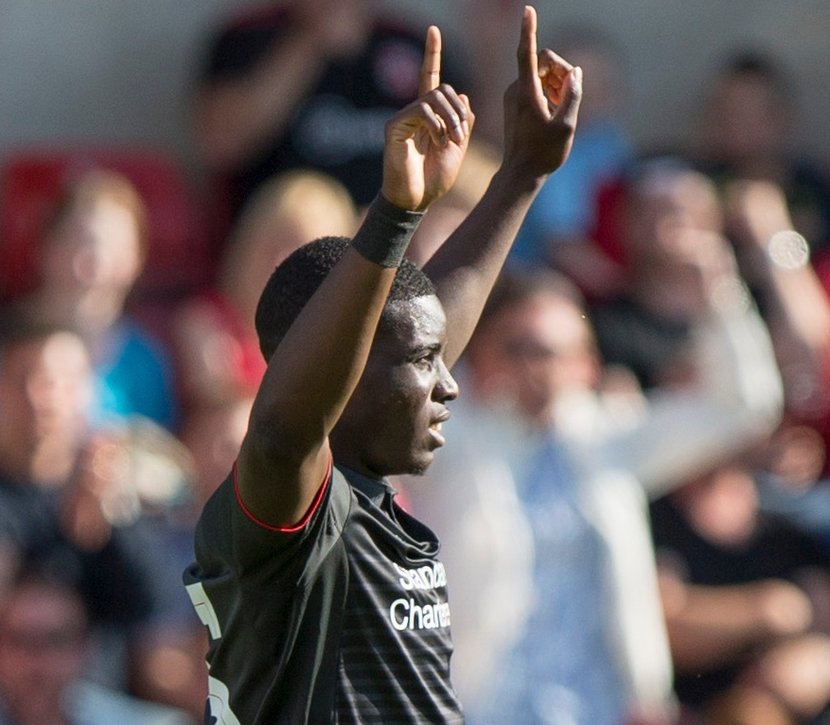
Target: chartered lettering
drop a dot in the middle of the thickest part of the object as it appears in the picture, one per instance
(407, 614)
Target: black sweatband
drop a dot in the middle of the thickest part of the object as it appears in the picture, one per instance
(386, 232)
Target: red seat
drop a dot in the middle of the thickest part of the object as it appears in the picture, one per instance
(31, 180)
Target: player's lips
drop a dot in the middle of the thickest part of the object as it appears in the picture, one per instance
(435, 428)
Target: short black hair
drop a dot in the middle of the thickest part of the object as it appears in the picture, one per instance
(754, 62)
(298, 277)
(764, 66)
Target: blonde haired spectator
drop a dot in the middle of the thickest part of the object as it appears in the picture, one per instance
(214, 338)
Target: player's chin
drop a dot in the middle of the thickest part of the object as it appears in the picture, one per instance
(419, 464)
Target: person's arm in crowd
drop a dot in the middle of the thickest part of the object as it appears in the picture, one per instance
(235, 114)
(712, 625)
(541, 109)
(316, 367)
(775, 630)
(775, 260)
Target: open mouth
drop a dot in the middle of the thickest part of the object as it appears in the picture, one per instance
(435, 431)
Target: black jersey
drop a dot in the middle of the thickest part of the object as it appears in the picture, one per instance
(344, 619)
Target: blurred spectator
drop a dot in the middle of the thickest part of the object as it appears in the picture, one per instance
(751, 119)
(168, 668)
(213, 335)
(304, 83)
(44, 647)
(792, 482)
(559, 227)
(670, 231)
(166, 655)
(34, 175)
(92, 253)
(115, 499)
(63, 485)
(546, 438)
(673, 225)
(747, 601)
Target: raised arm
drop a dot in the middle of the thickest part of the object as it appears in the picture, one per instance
(775, 262)
(541, 108)
(235, 116)
(318, 363)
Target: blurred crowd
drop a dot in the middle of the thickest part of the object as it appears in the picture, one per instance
(634, 501)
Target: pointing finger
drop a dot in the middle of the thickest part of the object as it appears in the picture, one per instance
(431, 67)
(526, 53)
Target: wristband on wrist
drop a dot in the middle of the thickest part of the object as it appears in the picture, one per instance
(386, 232)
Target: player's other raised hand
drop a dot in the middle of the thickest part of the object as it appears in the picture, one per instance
(426, 141)
(541, 106)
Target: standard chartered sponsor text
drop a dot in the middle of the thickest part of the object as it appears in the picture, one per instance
(406, 613)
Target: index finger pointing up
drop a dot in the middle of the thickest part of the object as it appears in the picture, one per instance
(526, 53)
(431, 67)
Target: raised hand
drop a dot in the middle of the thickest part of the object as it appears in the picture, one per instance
(541, 106)
(426, 141)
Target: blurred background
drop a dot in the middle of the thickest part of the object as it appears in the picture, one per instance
(656, 359)
(119, 70)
